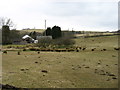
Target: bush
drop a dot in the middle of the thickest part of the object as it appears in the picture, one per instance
(47, 42)
(44, 42)
(24, 49)
(56, 32)
(32, 49)
(64, 41)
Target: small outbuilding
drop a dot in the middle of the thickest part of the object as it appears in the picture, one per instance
(28, 39)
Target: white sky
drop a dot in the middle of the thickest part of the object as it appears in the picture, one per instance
(94, 15)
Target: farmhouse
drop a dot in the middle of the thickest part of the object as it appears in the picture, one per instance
(29, 39)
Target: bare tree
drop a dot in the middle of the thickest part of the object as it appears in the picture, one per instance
(6, 22)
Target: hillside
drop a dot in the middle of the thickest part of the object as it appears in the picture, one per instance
(32, 30)
(83, 69)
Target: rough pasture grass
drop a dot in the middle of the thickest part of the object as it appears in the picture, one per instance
(64, 69)
(108, 42)
(32, 30)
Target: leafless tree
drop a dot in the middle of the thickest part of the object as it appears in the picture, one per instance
(6, 22)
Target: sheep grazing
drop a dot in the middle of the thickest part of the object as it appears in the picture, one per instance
(18, 53)
(5, 52)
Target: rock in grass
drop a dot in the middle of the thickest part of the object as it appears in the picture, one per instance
(114, 77)
(73, 68)
(113, 56)
(87, 67)
(104, 49)
(38, 52)
(79, 66)
(83, 65)
(22, 69)
(7, 86)
(102, 74)
(111, 74)
(44, 71)
(36, 62)
(116, 48)
(18, 53)
(77, 50)
(96, 70)
(108, 79)
(92, 49)
(107, 65)
(73, 84)
(83, 49)
(24, 49)
(5, 52)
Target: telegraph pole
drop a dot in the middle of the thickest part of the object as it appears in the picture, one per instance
(45, 27)
(45, 24)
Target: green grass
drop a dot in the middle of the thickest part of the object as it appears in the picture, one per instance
(99, 42)
(64, 67)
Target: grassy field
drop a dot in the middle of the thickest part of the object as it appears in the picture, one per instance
(32, 30)
(84, 69)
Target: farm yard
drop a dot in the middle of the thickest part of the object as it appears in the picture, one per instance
(95, 66)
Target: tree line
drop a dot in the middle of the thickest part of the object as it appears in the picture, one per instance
(55, 32)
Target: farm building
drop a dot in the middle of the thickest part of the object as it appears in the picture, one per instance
(29, 39)
(41, 37)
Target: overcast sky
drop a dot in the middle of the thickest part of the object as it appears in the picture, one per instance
(90, 15)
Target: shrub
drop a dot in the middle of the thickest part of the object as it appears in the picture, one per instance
(32, 49)
(44, 42)
(9, 46)
(64, 41)
(56, 32)
(24, 49)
